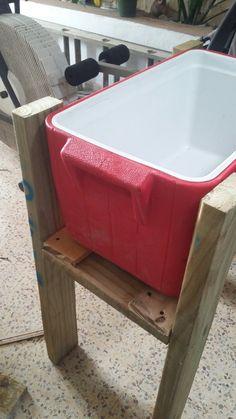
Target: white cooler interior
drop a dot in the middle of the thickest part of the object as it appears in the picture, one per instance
(178, 117)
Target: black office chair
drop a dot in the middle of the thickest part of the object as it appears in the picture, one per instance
(5, 8)
(223, 36)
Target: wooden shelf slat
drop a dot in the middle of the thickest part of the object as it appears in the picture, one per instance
(145, 306)
(62, 244)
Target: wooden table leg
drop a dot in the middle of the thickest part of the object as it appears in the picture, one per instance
(57, 297)
(210, 257)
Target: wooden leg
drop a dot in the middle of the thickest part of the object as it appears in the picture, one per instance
(58, 312)
(211, 254)
(57, 297)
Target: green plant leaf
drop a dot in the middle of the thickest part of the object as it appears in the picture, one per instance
(194, 10)
(182, 11)
(197, 11)
(211, 6)
(217, 14)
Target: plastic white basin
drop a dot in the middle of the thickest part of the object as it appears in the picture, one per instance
(178, 117)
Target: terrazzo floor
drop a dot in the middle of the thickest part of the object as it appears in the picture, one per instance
(115, 371)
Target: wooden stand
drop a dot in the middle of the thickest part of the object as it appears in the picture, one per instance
(183, 324)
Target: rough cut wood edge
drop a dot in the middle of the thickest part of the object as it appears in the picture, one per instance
(156, 309)
(10, 392)
(57, 297)
(119, 289)
(193, 44)
(211, 253)
(65, 247)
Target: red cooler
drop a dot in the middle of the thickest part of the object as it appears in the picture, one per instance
(132, 161)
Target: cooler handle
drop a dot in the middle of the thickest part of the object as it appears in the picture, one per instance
(112, 168)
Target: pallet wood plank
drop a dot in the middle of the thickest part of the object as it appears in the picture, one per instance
(155, 308)
(211, 254)
(119, 289)
(65, 247)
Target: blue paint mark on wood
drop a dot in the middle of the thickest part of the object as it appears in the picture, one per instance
(29, 193)
(31, 223)
(40, 279)
(197, 242)
(32, 226)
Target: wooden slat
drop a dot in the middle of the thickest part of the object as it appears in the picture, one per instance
(100, 40)
(119, 289)
(212, 251)
(19, 338)
(193, 44)
(66, 248)
(10, 392)
(109, 42)
(156, 309)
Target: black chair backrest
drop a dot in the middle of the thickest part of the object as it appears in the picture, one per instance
(223, 36)
(5, 8)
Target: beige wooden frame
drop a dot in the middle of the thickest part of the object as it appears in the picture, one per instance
(182, 324)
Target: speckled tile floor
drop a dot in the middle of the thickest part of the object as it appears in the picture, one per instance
(115, 371)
